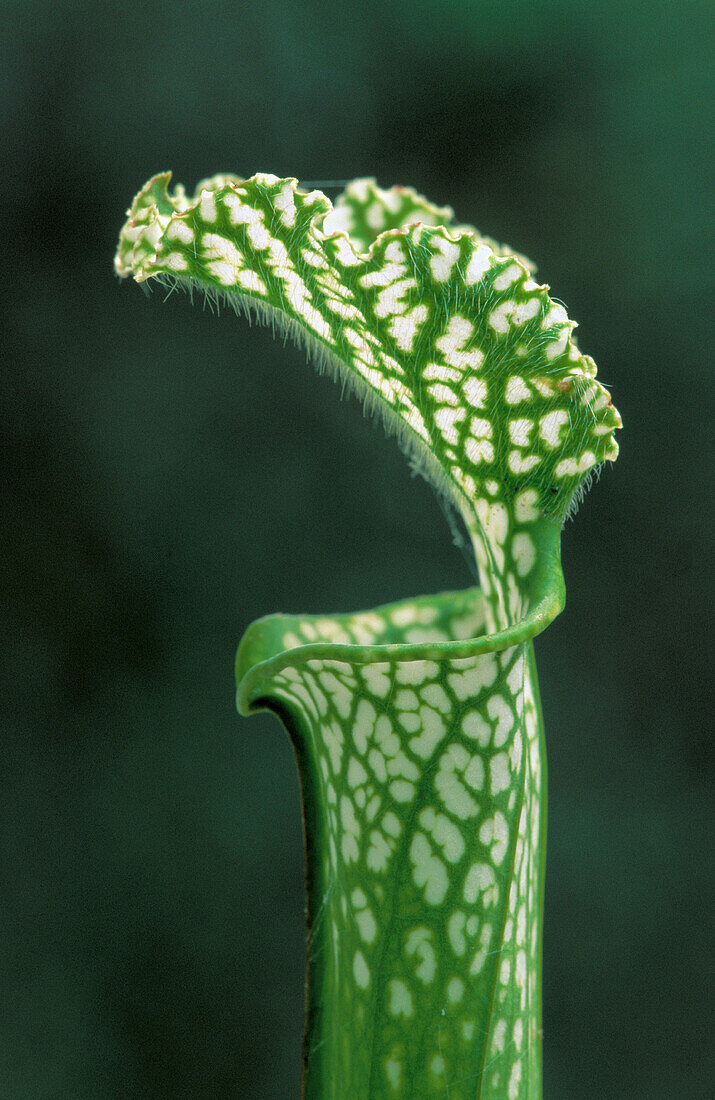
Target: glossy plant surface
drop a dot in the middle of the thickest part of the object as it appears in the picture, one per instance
(416, 726)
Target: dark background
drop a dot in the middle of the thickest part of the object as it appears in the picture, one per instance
(167, 476)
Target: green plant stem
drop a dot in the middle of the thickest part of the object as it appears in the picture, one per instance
(425, 898)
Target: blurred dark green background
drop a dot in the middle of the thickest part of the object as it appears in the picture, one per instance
(168, 476)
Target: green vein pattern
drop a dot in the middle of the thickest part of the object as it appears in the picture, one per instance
(417, 726)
